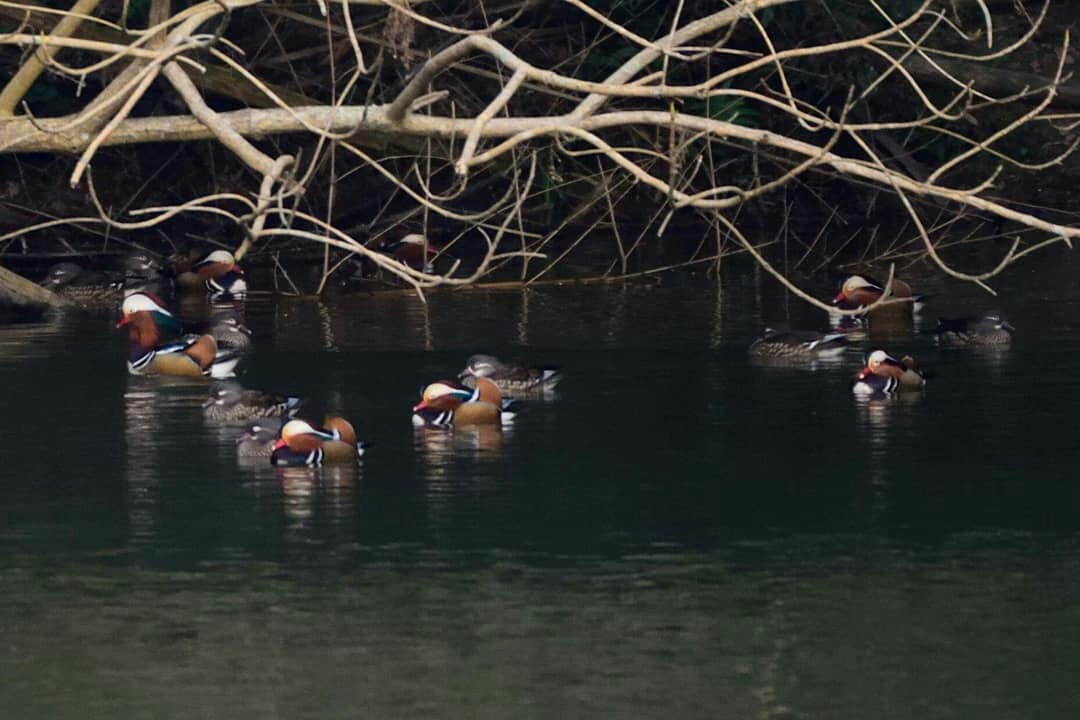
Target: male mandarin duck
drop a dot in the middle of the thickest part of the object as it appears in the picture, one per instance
(858, 291)
(797, 345)
(413, 250)
(302, 445)
(218, 273)
(231, 402)
(446, 403)
(154, 351)
(509, 378)
(258, 439)
(885, 374)
(988, 331)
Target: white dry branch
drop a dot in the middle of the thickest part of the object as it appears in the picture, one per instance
(635, 116)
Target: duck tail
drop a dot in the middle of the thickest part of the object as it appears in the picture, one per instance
(550, 377)
(918, 301)
(224, 364)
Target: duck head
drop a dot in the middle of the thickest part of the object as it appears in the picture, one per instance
(224, 392)
(998, 322)
(879, 358)
(141, 265)
(481, 366)
(300, 436)
(851, 286)
(61, 274)
(413, 250)
(216, 264)
(442, 393)
(261, 430)
(141, 302)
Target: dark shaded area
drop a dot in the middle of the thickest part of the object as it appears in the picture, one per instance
(297, 57)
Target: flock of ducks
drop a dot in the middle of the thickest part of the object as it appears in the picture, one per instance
(882, 373)
(277, 428)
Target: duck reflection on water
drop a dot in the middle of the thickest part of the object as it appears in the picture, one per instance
(153, 443)
(440, 446)
(313, 497)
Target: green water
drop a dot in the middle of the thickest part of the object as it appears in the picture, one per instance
(678, 533)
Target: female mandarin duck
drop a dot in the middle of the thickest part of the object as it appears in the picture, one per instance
(257, 442)
(858, 291)
(152, 329)
(988, 331)
(885, 374)
(303, 445)
(797, 345)
(218, 273)
(445, 404)
(83, 287)
(510, 379)
(231, 402)
(143, 273)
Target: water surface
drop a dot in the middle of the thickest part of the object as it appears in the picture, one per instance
(678, 533)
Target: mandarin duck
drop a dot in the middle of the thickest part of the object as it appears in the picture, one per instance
(413, 250)
(86, 288)
(218, 274)
(885, 374)
(797, 345)
(231, 402)
(988, 330)
(154, 350)
(858, 291)
(302, 445)
(511, 379)
(258, 439)
(446, 404)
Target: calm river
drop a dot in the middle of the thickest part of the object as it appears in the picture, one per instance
(677, 534)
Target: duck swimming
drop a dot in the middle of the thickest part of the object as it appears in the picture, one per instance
(154, 350)
(258, 439)
(413, 250)
(858, 291)
(83, 287)
(302, 445)
(510, 379)
(447, 404)
(231, 402)
(230, 333)
(885, 374)
(218, 274)
(797, 345)
(986, 331)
